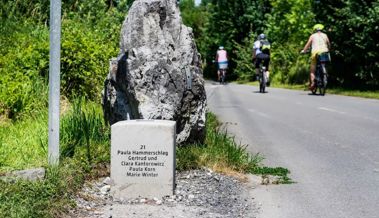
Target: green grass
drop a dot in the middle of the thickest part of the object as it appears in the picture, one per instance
(50, 197)
(84, 144)
(23, 143)
(354, 93)
(337, 91)
(85, 133)
(221, 153)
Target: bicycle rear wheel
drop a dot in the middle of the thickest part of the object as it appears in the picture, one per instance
(262, 84)
(323, 87)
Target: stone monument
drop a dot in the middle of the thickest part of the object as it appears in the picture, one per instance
(142, 159)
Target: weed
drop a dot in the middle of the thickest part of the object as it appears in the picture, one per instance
(83, 127)
(220, 152)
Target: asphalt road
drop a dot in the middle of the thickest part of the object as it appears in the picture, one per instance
(329, 143)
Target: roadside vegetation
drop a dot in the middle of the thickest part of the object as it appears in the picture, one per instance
(352, 26)
(222, 153)
(90, 37)
(84, 147)
(85, 155)
(372, 94)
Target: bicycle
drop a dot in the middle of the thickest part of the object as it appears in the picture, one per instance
(321, 76)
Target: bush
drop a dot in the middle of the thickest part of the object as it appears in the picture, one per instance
(288, 66)
(245, 68)
(23, 62)
(24, 59)
(86, 51)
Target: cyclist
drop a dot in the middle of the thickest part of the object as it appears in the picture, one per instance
(261, 54)
(222, 60)
(320, 43)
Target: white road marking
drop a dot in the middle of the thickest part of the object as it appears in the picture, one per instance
(353, 115)
(331, 110)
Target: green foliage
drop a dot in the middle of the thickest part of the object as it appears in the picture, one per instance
(245, 68)
(288, 66)
(84, 135)
(363, 93)
(45, 198)
(90, 35)
(352, 26)
(197, 18)
(293, 16)
(38, 10)
(353, 29)
(230, 23)
(84, 131)
(86, 51)
(23, 143)
(296, 17)
(220, 152)
(23, 62)
(276, 171)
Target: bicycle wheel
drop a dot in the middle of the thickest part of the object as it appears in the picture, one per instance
(223, 77)
(263, 83)
(324, 82)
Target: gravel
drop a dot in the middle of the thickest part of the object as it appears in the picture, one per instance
(198, 193)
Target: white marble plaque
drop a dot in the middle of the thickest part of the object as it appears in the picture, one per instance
(143, 158)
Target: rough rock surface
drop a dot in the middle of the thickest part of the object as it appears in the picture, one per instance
(29, 174)
(157, 74)
(199, 193)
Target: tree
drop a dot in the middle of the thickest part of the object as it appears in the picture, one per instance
(353, 27)
(230, 23)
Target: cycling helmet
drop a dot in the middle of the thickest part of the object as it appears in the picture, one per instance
(318, 27)
(221, 47)
(261, 36)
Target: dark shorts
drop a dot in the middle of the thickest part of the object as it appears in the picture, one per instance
(262, 58)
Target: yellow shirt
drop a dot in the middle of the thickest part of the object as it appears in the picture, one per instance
(319, 43)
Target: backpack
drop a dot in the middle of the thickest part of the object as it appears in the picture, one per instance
(265, 46)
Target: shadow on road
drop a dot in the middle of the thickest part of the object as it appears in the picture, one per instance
(258, 92)
(311, 94)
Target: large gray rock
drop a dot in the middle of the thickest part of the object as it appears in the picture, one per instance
(157, 74)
